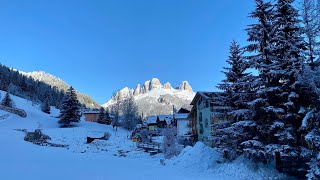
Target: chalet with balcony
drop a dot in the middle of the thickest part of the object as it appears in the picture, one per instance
(205, 112)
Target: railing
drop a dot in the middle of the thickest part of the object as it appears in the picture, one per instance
(150, 146)
(19, 112)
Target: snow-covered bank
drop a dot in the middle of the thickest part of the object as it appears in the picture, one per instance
(208, 163)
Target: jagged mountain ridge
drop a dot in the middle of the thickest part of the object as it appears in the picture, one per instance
(153, 98)
(61, 85)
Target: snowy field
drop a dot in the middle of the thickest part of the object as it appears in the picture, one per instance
(102, 159)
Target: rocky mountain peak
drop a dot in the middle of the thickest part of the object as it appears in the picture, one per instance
(155, 83)
(167, 86)
(185, 86)
(146, 87)
(151, 85)
(137, 91)
(153, 98)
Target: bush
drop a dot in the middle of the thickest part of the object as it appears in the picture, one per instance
(106, 136)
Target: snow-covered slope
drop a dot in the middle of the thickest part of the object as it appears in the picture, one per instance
(101, 159)
(61, 85)
(154, 98)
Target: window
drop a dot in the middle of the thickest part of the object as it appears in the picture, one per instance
(207, 122)
(199, 101)
(201, 128)
(206, 104)
(200, 117)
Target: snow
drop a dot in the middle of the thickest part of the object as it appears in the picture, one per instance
(152, 120)
(306, 119)
(117, 158)
(207, 163)
(156, 93)
(181, 116)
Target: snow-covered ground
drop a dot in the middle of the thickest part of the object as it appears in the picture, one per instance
(101, 159)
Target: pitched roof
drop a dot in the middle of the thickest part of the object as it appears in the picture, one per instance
(205, 95)
(184, 110)
(181, 116)
(91, 112)
(152, 120)
(167, 118)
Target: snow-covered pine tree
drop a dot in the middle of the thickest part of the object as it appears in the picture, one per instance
(228, 136)
(310, 127)
(45, 107)
(237, 85)
(259, 37)
(102, 115)
(278, 99)
(267, 85)
(310, 20)
(130, 113)
(70, 109)
(7, 101)
(170, 146)
(318, 12)
(107, 114)
(116, 109)
(289, 51)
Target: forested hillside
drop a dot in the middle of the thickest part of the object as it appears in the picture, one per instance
(38, 88)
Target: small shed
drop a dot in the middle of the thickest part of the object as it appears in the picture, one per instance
(91, 115)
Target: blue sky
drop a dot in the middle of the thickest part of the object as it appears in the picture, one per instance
(100, 46)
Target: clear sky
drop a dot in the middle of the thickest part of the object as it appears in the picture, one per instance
(100, 46)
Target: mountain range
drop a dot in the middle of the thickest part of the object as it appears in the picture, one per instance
(61, 85)
(153, 98)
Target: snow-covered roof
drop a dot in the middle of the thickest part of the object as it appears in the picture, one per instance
(91, 112)
(167, 118)
(181, 116)
(163, 117)
(151, 119)
(205, 95)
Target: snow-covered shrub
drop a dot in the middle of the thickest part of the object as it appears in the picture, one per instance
(106, 136)
(171, 147)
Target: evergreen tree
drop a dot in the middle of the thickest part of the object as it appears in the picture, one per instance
(260, 37)
(237, 85)
(171, 148)
(117, 107)
(45, 107)
(278, 102)
(237, 93)
(7, 101)
(102, 115)
(310, 19)
(70, 109)
(130, 113)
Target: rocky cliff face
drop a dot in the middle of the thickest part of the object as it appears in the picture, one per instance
(156, 84)
(167, 86)
(185, 86)
(154, 98)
